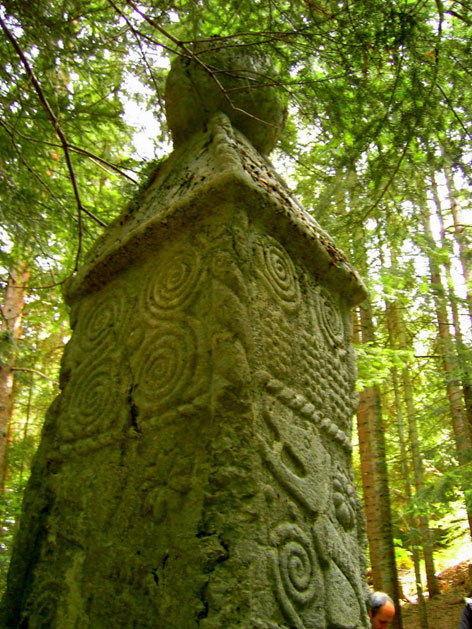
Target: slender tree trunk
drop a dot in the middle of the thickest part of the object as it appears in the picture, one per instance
(465, 371)
(375, 482)
(465, 253)
(450, 367)
(396, 327)
(10, 327)
(417, 459)
(407, 487)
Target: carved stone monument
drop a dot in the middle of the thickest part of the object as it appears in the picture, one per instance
(196, 469)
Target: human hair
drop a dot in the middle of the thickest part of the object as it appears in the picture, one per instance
(378, 600)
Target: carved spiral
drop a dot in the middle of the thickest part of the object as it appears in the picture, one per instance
(329, 318)
(165, 364)
(101, 320)
(175, 282)
(298, 570)
(93, 398)
(277, 271)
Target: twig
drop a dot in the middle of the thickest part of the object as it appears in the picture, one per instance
(36, 372)
(388, 184)
(72, 147)
(136, 34)
(451, 107)
(39, 178)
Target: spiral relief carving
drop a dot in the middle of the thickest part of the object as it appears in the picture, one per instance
(277, 271)
(297, 574)
(165, 364)
(174, 284)
(101, 320)
(93, 399)
(329, 318)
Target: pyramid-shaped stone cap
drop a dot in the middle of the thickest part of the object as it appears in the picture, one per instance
(217, 167)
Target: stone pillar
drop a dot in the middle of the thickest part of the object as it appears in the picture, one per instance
(196, 469)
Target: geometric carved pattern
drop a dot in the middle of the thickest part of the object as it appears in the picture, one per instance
(336, 395)
(344, 499)
(298, 577)
(292, 454)
(335, 547)
(301, 405)
(277, 272)
(278, 343)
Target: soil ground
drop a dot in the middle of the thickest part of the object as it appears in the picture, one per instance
(444, 611)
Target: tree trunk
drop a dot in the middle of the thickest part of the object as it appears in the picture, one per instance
(375, 482)
(449, 361)
(410, 517)
(465, 254)
(396, 328)
(10, 328)
(462, 352)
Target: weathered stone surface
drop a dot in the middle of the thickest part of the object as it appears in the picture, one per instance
(239, 84)
(196, 469)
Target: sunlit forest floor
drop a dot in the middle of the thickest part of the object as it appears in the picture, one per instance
(444, 611)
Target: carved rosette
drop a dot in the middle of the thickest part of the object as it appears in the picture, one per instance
(93, 399)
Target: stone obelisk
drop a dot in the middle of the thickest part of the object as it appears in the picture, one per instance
(195, 470)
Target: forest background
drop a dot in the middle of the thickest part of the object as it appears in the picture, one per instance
(377, 147)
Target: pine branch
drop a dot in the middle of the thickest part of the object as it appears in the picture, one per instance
(65, 146)
(137, 34)
(451, 107)
(189, 54)
(72, 147)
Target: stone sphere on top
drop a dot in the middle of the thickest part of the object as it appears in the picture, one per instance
(193, 94)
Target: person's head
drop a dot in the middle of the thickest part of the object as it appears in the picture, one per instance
(381, 610)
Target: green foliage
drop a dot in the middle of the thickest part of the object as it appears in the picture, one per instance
(374, 364)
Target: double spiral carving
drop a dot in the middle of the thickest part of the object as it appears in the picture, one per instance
(277, 271)
(174, 284)
(165, 364)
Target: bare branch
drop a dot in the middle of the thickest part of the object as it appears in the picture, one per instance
(459, 17)
(36, 372)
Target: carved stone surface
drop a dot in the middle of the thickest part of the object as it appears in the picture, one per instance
(194, 91)
(196, 469)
